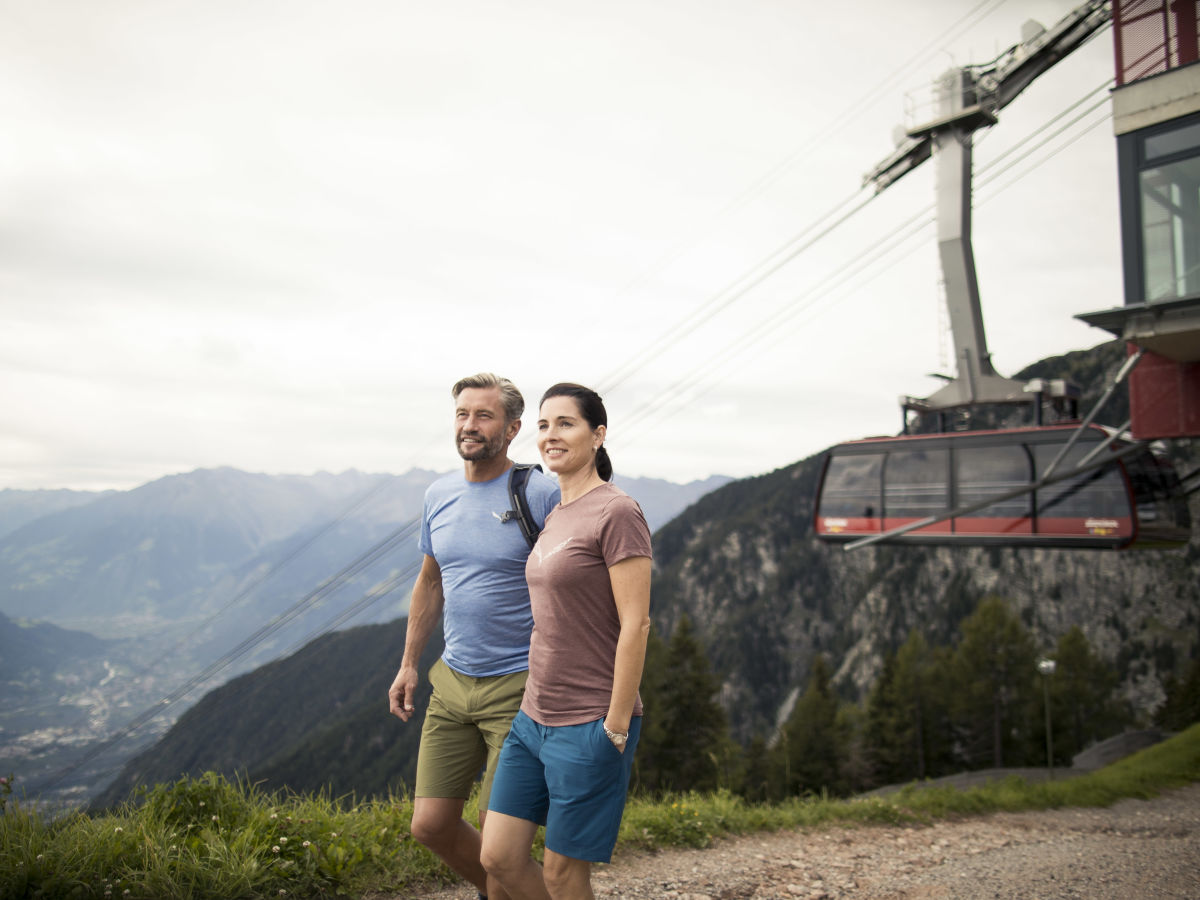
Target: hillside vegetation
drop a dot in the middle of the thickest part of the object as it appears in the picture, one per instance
(209, 838)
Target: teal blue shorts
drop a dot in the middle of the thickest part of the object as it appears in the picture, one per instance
(569, 778)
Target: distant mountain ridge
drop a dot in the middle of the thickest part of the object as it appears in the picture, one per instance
(17, 507)
(129, 562)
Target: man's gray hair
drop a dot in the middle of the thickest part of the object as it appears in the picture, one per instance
(510, 397)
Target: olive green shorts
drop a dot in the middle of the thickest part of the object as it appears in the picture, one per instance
(465, 727)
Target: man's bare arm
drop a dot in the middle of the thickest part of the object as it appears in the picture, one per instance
(424, 610)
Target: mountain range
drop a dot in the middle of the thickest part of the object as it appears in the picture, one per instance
(111, 602)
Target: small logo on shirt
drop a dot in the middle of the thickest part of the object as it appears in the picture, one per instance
(542, 557)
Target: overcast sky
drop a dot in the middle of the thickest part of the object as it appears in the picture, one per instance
(271, 235)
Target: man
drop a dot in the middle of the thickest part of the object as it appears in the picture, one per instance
(473, 575)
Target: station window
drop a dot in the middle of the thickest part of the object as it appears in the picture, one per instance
(1165, 160)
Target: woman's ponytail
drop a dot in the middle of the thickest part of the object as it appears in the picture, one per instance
(603, 463)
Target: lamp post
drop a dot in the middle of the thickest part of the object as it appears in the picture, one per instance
(1046, 668)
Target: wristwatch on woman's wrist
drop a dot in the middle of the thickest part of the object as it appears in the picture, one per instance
(618, 738)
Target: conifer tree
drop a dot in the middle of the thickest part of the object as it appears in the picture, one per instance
(1081, 697)
(995, 664)
(689, 746)
(924, 686)
(886, 728)
(758, 782)
(811, 743)
(1182, 706)
(652, 690)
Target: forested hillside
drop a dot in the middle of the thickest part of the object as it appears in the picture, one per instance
(766, 598)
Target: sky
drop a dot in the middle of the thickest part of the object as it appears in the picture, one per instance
(271, 235)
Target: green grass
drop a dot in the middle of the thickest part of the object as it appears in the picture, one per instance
(211, 838)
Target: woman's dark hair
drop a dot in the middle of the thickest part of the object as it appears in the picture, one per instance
(591, 407)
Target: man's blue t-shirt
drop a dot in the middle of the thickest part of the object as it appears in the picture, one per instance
(486, 618)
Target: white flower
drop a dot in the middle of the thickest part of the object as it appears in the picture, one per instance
(275, 849)
(283, 840)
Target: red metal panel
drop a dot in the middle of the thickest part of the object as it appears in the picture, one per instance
(1185, 31)
(1152, 36)
(1164, 398)
(890, 522)
(992, 525)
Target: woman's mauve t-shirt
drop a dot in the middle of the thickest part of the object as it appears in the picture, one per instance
(575, 623)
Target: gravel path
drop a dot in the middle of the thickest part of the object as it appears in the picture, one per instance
(1134, 849)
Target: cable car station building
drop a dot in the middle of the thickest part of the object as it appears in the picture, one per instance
(1156, 117)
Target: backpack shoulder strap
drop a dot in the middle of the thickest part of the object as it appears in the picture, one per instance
(518, 476)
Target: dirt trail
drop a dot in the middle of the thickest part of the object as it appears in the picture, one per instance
(1134, 849)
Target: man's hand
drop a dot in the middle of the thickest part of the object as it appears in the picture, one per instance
(402, 693)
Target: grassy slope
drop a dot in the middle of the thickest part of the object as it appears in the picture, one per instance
(206, 837)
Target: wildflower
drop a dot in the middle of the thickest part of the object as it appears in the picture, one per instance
(306, 844)
(283, 840)
(201, 802)
(331, 834)
(275, 849)
(274, 815)
(118, 830)
(214, 818)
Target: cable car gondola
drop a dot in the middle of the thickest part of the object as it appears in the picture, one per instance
(990, 488)
(1068, 485)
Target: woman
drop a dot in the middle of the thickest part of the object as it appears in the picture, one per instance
(567, 758)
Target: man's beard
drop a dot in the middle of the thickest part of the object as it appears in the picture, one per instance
(480, 452)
